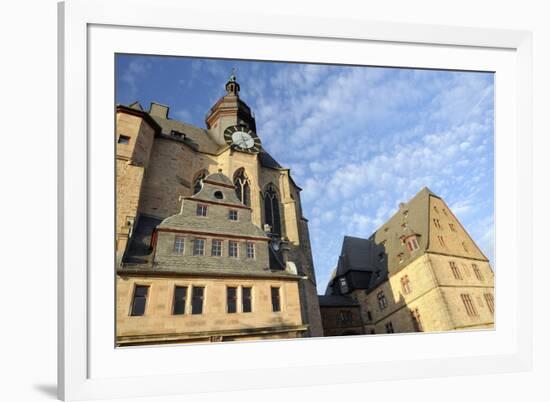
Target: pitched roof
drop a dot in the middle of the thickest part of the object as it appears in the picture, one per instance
(195, 137)
(337, 301)
(214, 184)
(380, 252)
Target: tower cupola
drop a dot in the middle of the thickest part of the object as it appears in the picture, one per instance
(232, 86)
(230, 110)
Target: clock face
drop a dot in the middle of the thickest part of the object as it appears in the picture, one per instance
(242, 138)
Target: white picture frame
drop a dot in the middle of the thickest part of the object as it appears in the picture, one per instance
(89, 365)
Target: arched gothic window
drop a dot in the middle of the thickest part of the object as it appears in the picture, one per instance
(242, 186)
(271, 209)
(197, 181)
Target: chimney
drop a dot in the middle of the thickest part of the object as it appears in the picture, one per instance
(159, 110)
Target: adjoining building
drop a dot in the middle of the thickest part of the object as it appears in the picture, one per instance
(210, 238)
(421, 271)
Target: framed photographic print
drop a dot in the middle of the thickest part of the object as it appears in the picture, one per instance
(313, 205)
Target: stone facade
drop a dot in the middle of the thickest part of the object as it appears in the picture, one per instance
(159, 163)
(440, 281)
(341, 316)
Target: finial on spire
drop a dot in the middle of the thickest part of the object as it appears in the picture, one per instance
(233, 76)
(232, 86)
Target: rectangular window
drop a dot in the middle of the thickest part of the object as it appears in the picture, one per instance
(405, 284)
(412, 243)
(465, 247)
(382, 302)
(233, 249)
(417, 323)
(247, 300)
(454, 270)
(389, 328)
(232, 300)
(180, 298)
(369, 315)
(233, 215)
(345, 317)
(123, 139)
(216, 248)
(276, 299)
(140, 300)
(179, 245)
(437, 224)
(490, 302)
(470, 308)
(201, 209)
(198, 247)
(477, 272)
(197, 300)
(250, 250)
(441, 241)
(452, 226)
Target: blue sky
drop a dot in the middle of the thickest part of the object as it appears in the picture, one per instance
(358, 140)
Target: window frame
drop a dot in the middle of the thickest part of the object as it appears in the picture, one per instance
(243, 299)
(175, 250)
(125, 139)
(405, 284)
(199, 239)
(229, 248)
(203, 209)
(382, 301)
(469, 305)
(250, 246)
(456, 272)
(145, 297)
(185, 300)
(278, 298)
(219, 249)
(202, 299)
(477, 273)
(233, 212)
(234, 301)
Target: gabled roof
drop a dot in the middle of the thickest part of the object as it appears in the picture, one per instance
(380, 252)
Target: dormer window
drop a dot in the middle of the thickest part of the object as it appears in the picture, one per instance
(411, 243)
(343, 285)
(233, 215)
(201, 209)
(381, 257)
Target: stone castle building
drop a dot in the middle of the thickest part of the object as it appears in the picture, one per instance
(420, 271)
(211, 241)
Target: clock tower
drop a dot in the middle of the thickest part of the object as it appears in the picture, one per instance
(229, 111)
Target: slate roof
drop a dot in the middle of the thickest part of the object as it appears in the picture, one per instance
(139, 251)
(196, 137)
(379, 253)
(337, 301)
(190, 221)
